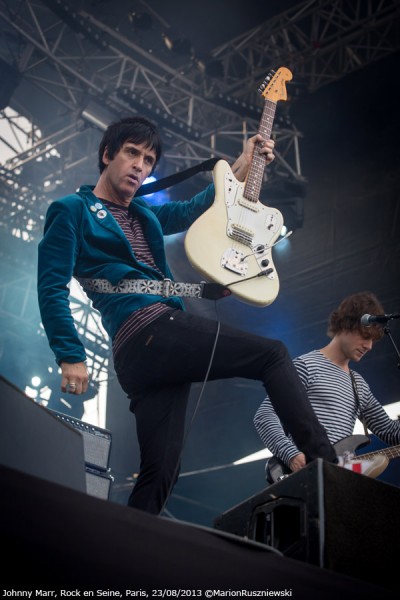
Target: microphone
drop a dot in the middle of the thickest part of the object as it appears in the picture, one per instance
(367, 320)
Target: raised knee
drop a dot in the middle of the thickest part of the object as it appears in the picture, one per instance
(280, 350)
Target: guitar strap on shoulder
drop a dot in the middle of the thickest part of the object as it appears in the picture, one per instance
(166, 182)
(358, 403)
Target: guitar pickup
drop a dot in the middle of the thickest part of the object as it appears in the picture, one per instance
(249, 204)
(241, 234)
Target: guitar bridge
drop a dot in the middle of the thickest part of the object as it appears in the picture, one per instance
(233, 260)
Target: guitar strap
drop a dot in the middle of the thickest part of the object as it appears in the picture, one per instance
(358, 403)
(166, 182)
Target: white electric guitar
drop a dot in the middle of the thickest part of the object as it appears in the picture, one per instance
(277, 470)
(231, 242)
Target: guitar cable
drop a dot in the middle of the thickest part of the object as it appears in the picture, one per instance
(199, 398)
(196, 407)
(261, 247)
(197, 404)
(260, 274)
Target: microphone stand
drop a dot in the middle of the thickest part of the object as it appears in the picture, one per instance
(389, 334)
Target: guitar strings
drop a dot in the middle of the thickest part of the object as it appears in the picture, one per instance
(255, 175)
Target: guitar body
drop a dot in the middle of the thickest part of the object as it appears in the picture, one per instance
(351, 443)
(231, 242)
(277, 470)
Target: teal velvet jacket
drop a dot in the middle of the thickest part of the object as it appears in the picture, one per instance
(82, 239)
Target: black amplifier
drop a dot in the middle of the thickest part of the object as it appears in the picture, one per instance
(96, 441)
(98, 483)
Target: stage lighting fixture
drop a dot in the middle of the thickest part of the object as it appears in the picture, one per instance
(168, 42)
(200, 64)
(182, 46)
(140, 21)
(213, 67)
(179, 45)
(78, 23)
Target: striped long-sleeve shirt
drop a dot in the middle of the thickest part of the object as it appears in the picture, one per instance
(133, 231)
(332, 397)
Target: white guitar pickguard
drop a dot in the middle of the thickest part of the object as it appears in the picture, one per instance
(231, 242)
(251, 224)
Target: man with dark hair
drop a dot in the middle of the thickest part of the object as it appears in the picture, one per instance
(338, 394)
(138, 130)
(112, 243)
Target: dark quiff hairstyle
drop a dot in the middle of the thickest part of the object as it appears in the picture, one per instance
(348, 315)
(137, 130)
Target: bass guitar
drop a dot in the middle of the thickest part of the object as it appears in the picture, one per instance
(231, 242)
(277, 470)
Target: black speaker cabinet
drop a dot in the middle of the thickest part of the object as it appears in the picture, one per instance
(327, 516)
(98, 483)
(34, 441)
(97, 447)
(96, 441)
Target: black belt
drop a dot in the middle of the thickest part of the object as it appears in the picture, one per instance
(164, 288)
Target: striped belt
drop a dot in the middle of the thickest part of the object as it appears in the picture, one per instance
(165, 288)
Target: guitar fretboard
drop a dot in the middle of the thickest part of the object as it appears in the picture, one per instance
(253, 184)
(392, 452)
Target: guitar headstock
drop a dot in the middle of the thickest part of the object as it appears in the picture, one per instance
(273, 87)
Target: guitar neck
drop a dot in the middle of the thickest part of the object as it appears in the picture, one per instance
(392, 452)
(254, 180)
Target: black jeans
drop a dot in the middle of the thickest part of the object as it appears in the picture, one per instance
(156, 368)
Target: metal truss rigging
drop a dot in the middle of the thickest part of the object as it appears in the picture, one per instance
(72, 59)
(118, 75)
(320, 40)
(71, 72)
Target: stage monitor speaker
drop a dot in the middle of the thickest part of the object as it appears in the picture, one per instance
(327, 516)
(96, 441)
(34, 441)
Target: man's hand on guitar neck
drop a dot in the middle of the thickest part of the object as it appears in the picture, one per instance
(256, 143)
(297, 462)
